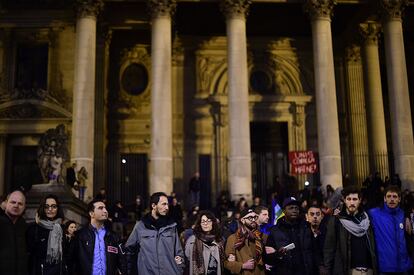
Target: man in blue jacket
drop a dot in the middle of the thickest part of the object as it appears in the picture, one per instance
(388, 225)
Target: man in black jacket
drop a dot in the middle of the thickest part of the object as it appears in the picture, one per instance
(96, 249)
(13, 252)
(289, 245)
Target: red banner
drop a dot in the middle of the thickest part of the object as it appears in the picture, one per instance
(303, 162)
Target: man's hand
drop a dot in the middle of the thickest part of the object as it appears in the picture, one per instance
(270, 250)
(282, 251)
(178, 260)
(248, 265)
(231, 258)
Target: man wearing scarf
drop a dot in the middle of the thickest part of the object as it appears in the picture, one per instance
(155, 242)
(244, 249)
(349, 244)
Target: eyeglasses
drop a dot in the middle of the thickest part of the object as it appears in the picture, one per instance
(251, 218)
(205, 221)
(47, 206)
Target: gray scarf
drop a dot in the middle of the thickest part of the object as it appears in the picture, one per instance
(356, 229)
(54, 243)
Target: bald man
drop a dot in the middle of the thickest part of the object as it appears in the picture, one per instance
(13, 253)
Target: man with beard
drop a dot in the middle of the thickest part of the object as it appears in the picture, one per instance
(388, 225)
(349, 243)
(155, 240)
(244, 249)
(289, 245)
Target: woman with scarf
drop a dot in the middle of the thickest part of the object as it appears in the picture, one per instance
(205, 250)
(45, 238)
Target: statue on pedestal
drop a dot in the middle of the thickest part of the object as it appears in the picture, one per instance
(52, 154)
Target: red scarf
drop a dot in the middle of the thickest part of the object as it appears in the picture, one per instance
(255, 235)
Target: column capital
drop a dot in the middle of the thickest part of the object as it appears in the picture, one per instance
(235, 8)
(161, 8)
(370, 32)
(319, 9)
(353, 54)
(392, 9)
(89, 8)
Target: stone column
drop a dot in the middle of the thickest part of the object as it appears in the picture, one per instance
(357, 114)
(374, 103)
(104, 38)
(82, 151)
(2, 164)
(239, 165)
(161, 170)
(399, 100)
(325, 91)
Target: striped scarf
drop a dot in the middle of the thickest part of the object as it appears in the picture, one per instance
(199, 267)
(255, 235)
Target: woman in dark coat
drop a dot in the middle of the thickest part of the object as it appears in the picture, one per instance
(45, 237)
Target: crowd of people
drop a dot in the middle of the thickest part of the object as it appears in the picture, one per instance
(344, 231)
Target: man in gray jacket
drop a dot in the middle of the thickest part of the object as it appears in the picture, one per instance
(155, 241)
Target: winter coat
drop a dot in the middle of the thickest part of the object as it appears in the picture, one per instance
(285, 233)
(156, 249)
(37, 239)
(388, 225)
(337, 249)
(13, 253)
(247, 252)
(207, 251)
(82, 252)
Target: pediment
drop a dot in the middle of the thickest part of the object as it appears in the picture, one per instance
(32, 108)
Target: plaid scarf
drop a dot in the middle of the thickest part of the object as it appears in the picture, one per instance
(255, 235)
(197, 257)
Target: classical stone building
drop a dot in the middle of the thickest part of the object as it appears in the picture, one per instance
(152, 91)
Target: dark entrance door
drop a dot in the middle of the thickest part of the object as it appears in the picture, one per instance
(269, 145)
(204, 162)
(23, 168)
(128, 177)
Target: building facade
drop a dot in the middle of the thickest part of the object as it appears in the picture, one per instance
(153, 91)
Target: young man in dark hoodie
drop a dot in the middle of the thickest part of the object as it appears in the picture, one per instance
(155, 241)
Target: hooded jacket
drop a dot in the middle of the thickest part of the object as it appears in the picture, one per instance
(388, 225)
(156, 247)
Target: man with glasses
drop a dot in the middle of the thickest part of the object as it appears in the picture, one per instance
(289, 245)
(244, 249)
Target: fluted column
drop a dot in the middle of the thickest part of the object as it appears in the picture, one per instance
(161, 166)
(2, 164)
(82, 151)
(399, 100)
(373, 95)
(239, 165)
(357, 114)
(325, 91)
